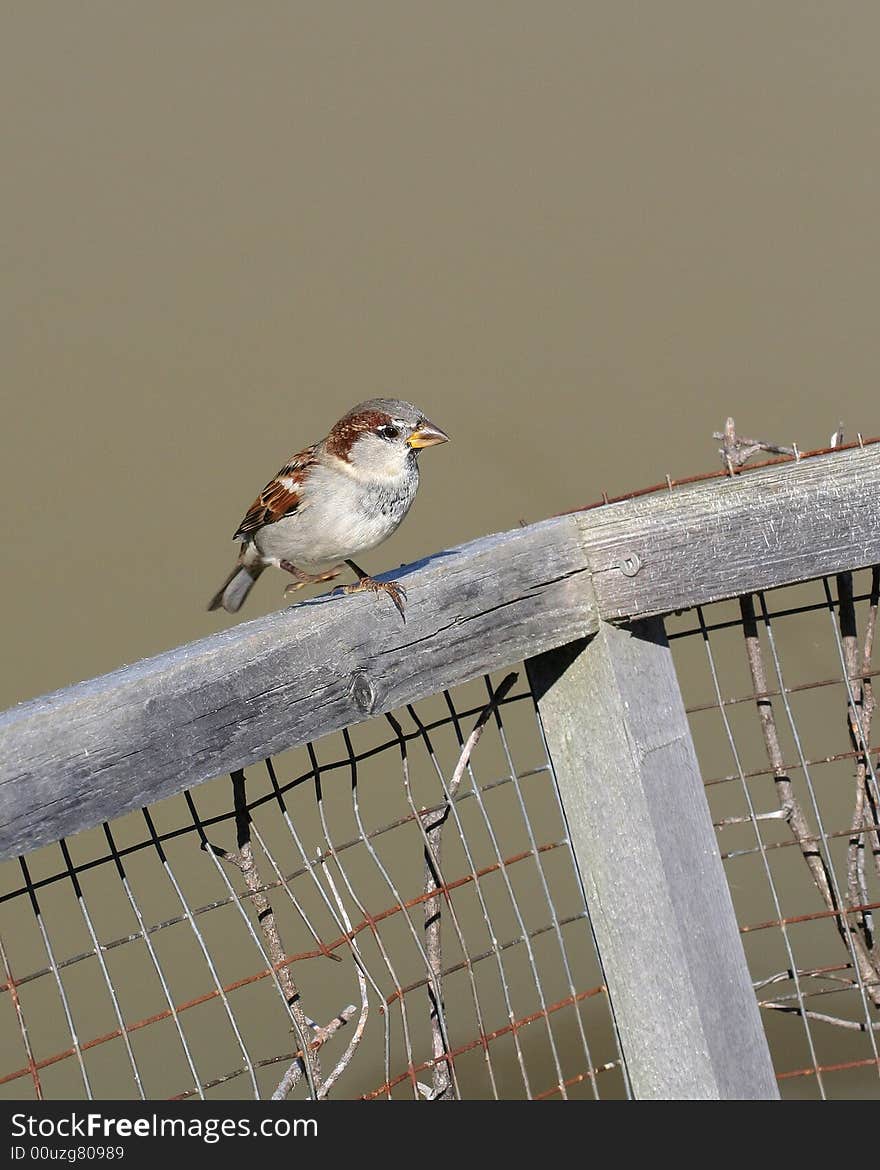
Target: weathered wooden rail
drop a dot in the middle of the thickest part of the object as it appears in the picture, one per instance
(580, 597)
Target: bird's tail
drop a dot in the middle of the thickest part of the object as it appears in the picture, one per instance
(236, 587)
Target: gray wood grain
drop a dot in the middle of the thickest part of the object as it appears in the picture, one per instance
(101, 748)
(724, 537)
(658, 899)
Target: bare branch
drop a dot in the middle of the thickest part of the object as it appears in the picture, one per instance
(346, 1057)
(797, 821)
(860, 711)
(245, 860)
(735, 450)
(871, 817)
(433, 881)
(431, 823)
(853, 1025)
(295, 1072)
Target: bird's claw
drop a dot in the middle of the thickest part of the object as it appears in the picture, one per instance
(394, 589)
(304, 579)
(309, 579)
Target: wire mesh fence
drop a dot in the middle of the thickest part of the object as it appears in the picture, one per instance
(399, 902)
(395, 910)
(780, 698)
(331, 900)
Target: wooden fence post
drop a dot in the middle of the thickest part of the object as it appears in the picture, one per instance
(674, 964)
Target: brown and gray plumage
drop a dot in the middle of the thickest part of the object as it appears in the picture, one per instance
(333, 501)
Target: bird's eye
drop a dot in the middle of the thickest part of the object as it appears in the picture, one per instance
(389, 431)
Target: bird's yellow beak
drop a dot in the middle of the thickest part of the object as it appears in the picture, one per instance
(427, 435)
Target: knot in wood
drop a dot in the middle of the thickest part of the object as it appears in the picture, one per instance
(363, 692)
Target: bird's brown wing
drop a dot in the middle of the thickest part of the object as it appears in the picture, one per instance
(281, 496)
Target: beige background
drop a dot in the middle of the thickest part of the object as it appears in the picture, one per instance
(577, 234)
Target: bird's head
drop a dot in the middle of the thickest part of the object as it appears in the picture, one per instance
(383, 436)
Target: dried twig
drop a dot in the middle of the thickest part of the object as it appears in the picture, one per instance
(13, 992)
(311, 1035)
(346, 1057)
(735, 450)
(421, 815)
(788, 801)
(838, 1021)
(295, 1071)
(860, 711)
(825, 973)
(871, 812)
(789, 804)
(245, 861)
(432, 822)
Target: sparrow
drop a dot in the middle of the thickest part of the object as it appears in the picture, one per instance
(333, 501)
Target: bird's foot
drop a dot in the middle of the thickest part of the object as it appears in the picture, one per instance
(303, 578)
(395, 591)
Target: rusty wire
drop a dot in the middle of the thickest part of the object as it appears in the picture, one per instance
(138, 961)
(817, 944)
(670, 482)
(509, 1036)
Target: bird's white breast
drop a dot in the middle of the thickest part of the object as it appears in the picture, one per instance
(339, 517)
